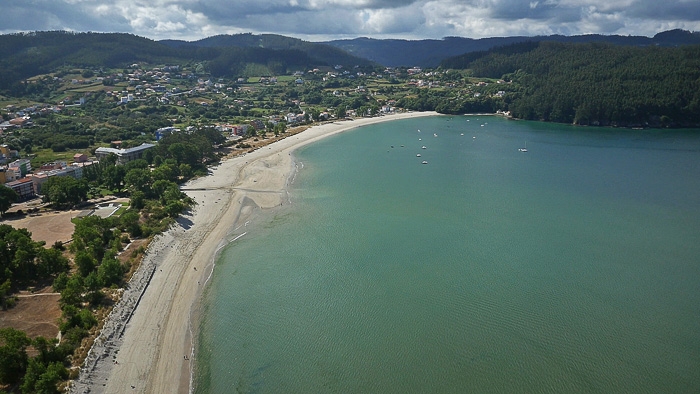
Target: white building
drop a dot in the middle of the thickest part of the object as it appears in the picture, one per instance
(123, 155)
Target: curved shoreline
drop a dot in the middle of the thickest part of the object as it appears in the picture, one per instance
(147, 343)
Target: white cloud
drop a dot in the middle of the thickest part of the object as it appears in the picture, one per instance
(392, 21)
(328, 19)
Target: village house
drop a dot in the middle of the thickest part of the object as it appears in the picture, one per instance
(21, 122)
(54, 165)
(241, 129)
(164, 131)
(6, 153)
(257, 124)
(80, 158)
(10, 174)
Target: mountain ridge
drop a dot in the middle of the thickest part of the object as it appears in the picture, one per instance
(429, 53)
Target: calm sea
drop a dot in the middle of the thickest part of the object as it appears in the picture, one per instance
(572, 267)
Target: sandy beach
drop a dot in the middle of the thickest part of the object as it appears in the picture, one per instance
(146, 345)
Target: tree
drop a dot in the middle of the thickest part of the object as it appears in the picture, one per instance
(13, 355)
(65, 191)
(85, 263)
(17, 254)
(212, 135)
(315, 114)
(165, 172)
(139, 179)
(7, 197)
(148, 154)
(47, 349)
(130, 223)
(60, 282)
(94, 234)
(186, 153)
(71, 295)
(174, 208)
(113, 176)
(110, 272)
(185, 170)
(51, 262)
(92, 282)
(340, 112)
(49, 380)
(138, 199)
(4, 291)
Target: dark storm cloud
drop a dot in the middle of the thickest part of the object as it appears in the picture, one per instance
(665, 10)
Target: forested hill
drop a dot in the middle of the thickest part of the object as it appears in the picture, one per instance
(324, 53)
(429, 53)
(595, 83)
(28, 54)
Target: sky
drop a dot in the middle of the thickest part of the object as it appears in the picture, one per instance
(322, 20)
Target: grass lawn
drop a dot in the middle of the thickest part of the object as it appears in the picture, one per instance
(286, 78)
(124, 207)
(42, 156)
(95, 87)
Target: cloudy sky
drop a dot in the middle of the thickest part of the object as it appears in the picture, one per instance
(319, 20)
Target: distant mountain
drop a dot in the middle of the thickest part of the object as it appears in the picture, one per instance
(319, 52)
(429, 53)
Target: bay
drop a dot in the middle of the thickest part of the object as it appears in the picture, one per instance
(572, 267)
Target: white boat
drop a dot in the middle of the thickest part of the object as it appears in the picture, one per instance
(418, 155)
(423, 147)
(434, 135)
(523, 149)
(462, 134)
(424, 162)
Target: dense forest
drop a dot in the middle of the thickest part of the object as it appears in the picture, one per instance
(595, 83)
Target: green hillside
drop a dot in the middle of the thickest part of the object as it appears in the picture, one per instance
(28, 54)
(595, 83)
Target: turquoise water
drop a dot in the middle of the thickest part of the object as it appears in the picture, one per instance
(573, 267)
